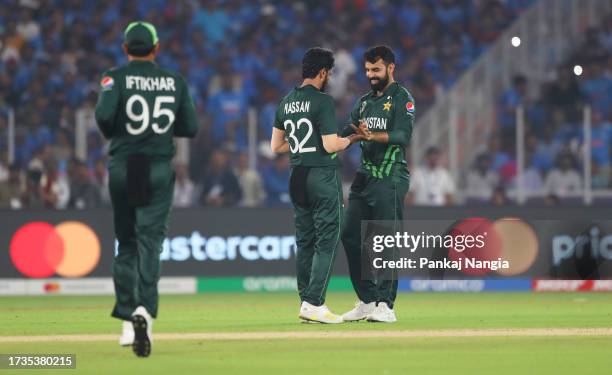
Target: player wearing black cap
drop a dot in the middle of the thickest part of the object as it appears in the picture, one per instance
(141, 108)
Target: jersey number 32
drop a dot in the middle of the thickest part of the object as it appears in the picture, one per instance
(295, 146)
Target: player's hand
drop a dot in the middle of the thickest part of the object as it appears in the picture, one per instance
(355, 138)
(362, 130)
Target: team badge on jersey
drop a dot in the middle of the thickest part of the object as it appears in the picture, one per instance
(362, 108)
(107, 83)
(410, 107)
(386, 106)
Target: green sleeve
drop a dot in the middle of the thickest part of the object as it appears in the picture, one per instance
(186, 124)
(107, 105)
(354, 119)
(327, 117)
(403, 120)
(277, 123)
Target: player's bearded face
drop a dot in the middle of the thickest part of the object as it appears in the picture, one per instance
(378, 75)
(324, 83)
(378, 83)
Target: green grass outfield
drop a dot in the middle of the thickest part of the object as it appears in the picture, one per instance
(499, 353)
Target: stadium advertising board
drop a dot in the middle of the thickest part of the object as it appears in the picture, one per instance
(260, 242)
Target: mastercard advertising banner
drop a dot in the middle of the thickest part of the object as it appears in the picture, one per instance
(261, 242)
(69, 249)
(60, 244)
(211, 242)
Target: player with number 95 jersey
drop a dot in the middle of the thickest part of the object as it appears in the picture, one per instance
(141, 107)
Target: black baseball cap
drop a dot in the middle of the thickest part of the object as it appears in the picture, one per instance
(140, 38)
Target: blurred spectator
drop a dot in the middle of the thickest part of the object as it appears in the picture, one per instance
(489, 22)
(344, 67)
(94, 146)
(507, 173)
(449, 12)
(532, 178)
(276, 181)
(564, 180)
(55, 190)
(598, 87)
(200, 150)
(4, 169)
(32, 194)
(253, 193)
(546, 148)
(266, 115)
(500, 149)
(38, 158)
(14, 41)
(213, 20)
(599, 179)
(481, 180)
(431, 184)
(227, 107)
(499, 157)
(184, 189)
(563, 94)
(219, 185)
(62, 149)
(27, 27)
(11, 189)
(84, 193)
(508, 102)
(426, 89)
(100, 176)
(499, 197)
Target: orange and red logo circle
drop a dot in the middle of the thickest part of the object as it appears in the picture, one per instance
(509, 239)
(69, 249)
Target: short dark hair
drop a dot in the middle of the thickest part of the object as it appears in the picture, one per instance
(315, 59)
(373, 54)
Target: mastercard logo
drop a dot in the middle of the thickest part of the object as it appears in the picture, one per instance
(69, 249)
(509, 239)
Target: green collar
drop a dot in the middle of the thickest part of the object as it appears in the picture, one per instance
(142, 62)
(306, 86)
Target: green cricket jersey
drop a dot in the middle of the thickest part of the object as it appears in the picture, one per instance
(306, 114)
(142, 107)
(392, 112)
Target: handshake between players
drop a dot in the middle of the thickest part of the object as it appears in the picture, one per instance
(305, 126)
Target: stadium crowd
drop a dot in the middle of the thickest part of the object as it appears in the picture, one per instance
(554, 137)
(240, 54)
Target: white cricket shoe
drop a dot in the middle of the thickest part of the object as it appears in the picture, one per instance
(143, 330)
(308, 321)
(127, 334)
(382, 313)
(360, 312)
(319, 314)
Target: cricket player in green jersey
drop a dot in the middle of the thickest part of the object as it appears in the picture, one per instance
(141, 108)
(386, 116)
(305, 126)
